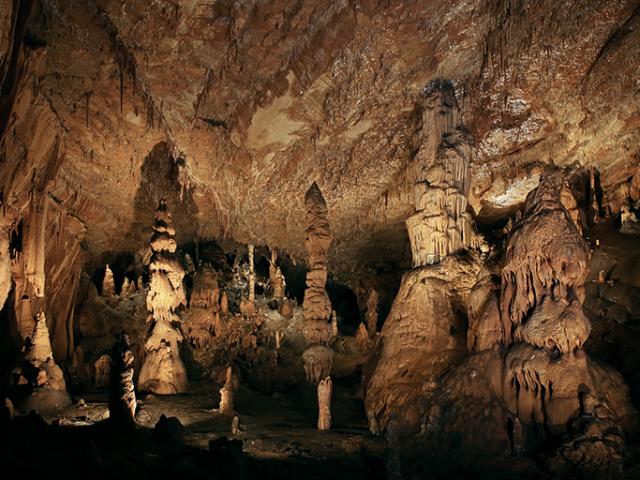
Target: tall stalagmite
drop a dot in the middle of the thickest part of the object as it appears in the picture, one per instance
(317, 307)
(424, 333)
(163, 371)
(441, 224)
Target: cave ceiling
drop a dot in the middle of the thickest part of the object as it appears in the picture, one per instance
(249, 102)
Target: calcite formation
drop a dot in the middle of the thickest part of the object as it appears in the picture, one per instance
(441, 224)
(108, 283)
(530, 371)
(122, 395)
(200, 319)
(38, 370)
(163, 371)
(325, 388)
(317, 306)
(424, 333)
(226, 394)
(371, 314)
(5, 268)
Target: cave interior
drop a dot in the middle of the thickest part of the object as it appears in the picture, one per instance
(350, 239)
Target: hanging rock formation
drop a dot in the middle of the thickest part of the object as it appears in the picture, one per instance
(317, 307)
(163, 371)
(122, 396)
(424, 331)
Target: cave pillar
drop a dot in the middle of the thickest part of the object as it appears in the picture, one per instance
(317, 329)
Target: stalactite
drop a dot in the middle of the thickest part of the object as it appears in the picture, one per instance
(163, 371)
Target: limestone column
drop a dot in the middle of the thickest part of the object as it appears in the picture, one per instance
(317, 307)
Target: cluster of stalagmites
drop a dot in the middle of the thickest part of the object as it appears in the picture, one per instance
(317, 329)
(163, 371)
(515, 374)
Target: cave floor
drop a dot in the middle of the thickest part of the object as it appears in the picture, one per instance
(277, 430)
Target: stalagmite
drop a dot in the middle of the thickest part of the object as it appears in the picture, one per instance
(317, 306)
(252, 275)
(276, 278)
(39, 370)
(441, 224)
(5, 268)
(362, 335)
(163, 371)
(224, 303)
(371, 316)
(226, 394)
(108, 283)
(122, 396)
(279, 336)
(325, 388)
(424, 334)
(200, 319)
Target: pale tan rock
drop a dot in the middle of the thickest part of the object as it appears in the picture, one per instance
(102, 367)
(226, 394)
(362, 336)
(5, 268)
(163, 371)
(108, 283)
(325, 389)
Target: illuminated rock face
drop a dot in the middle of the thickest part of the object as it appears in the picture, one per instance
(163, 371)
